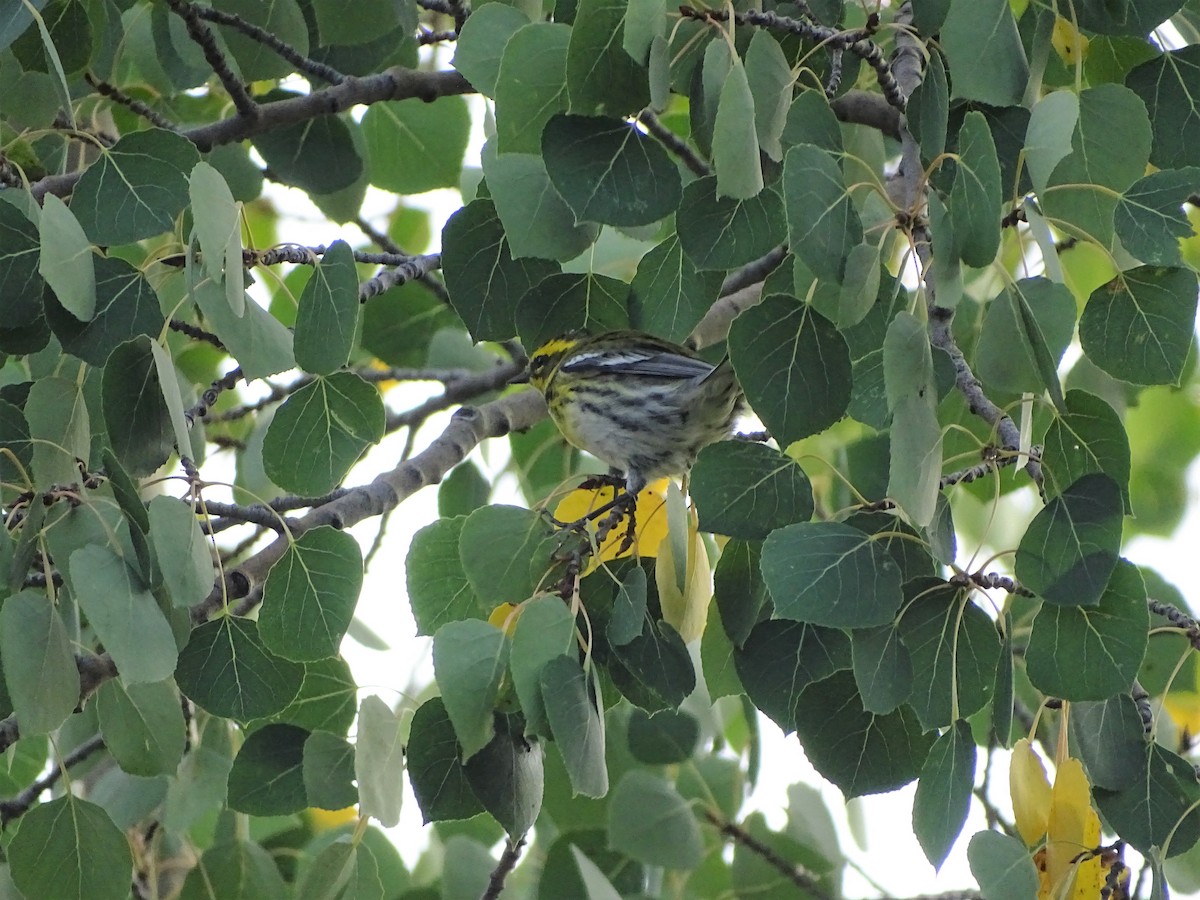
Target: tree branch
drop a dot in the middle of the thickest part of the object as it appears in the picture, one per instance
(469, 426)
(394, 84)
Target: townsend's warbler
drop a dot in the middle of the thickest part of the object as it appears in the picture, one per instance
(643, 405)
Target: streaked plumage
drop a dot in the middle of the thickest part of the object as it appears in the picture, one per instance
(640, 404)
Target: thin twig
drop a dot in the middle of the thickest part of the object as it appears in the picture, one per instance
(267, 39)
(794, 872)
(202, 36)
(674, 143)
(508, 862)
(19, 805)
(114, 93)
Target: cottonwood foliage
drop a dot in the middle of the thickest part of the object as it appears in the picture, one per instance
(970, 229)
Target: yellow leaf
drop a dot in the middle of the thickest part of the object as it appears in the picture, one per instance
(1067, 42)
(1073, 829)
(326, 819)
(505, 617)
(651, 519)
(685, 607)
(1030, 791)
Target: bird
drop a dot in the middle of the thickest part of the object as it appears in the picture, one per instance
(643, 405)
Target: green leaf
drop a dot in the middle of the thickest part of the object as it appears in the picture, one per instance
(578, 725)
(267, 778)
(669, 295)
(126, 306)
(779, 659)
(629, 607)
(667, 737)
(544, 631)
(66, 259)
(69, 847)
(136, 188)
(649, 821)
(748, 490)
(1111, 740)
(258, 341)
(975, 196)
(601, 76)
(1138, 326)
(59, 430)
(508, 777)
(1070, 549)
(723, 233)
(1091, 653)
(1048, 138)
(484, 281)
(883, 668)
(1161, 803)
(823, 225)
(1088, 438)
(438, 589)
(735, 140)
(316, 155)
(659, 661)
(954, 649)
(1081, 193)
(135, 412)
(378, 761)
(739, 589)
(226, 669)
(861, 753)
(327, 700)
(142, 725)
(399, 324)
(830, 574)
(793, 365)
(343, 869)
(944, 792)
(182, 551)
(327, 317)
(609, 172)
(39, 665)
(234, 869)
(770, 82)
(124, 614)
(320, 432)
(1026, 331)
(531, 85)
(310, 594)
(1002, 866)
(860, 288)
(218, 225)
(571, 302)
(20, 254)
(1150, 218)
(1167, 86)
(929, 109)
(438, 779)
(537, 221)
(469, 661)
(811, 120)
(414, 146)
(644, 21)
(357, 24)
(983, 48)
(915, 467)
(481, 42)
(506, 552)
